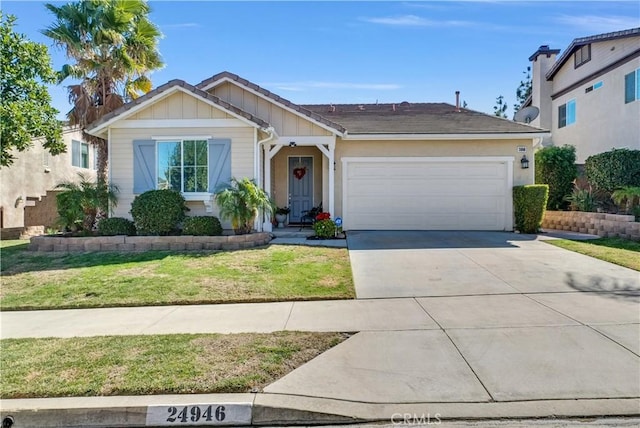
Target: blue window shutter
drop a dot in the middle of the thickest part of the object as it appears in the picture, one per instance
(571, 112)
(144, 166)
(629, 87)
(219, 163)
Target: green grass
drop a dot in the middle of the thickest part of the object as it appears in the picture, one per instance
(86, 280)
(620, 251)
(140, 365)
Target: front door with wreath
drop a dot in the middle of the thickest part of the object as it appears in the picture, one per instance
(300, 186)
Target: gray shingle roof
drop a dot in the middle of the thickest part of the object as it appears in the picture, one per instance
(271, 95)
(576, 43)
(416, 118)
(177, 82)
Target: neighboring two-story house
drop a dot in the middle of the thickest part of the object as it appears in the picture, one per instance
(589, 96)
(27, 187)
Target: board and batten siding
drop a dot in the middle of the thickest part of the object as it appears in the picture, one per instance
(451, 148)
(121, 167)
(180, 105)
(284, 122)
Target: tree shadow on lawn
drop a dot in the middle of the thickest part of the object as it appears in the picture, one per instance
(18, 259)
(607, 287)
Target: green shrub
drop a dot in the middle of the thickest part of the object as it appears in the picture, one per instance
(158, 212)
(325, 228)
(614, 169)
(582, 199)
(556, 167)
(529, 205)
(202, 226)
(628, 198)
(116, 226)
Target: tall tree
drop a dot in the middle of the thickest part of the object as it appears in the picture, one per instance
(25, 103)
(500, 109)
(524, 90)
(112, 47)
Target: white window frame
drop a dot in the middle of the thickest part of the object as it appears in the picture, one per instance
(195, 196)
(80, 145)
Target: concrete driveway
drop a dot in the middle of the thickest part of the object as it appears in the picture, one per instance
(520, 327)
(445, 263)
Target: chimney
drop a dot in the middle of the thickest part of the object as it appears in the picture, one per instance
(458, 101)
(541, 89)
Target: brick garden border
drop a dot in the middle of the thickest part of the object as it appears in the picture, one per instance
(605, 225)
(147, 243)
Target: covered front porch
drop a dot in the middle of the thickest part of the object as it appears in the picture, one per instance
(299, 173)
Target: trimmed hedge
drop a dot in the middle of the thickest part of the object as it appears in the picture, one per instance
(158, 212)
(116, 226)
(529, 204)
(202, 226)
(556, 167)
(614, 169)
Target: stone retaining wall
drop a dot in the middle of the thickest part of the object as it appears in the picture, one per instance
(147, 243)
(605, 225)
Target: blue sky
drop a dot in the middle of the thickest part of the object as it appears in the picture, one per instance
(360, 52)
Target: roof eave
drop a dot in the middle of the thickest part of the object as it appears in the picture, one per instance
(449, 136)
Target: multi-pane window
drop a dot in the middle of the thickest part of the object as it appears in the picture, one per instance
(593, 87)
(632, 86)
(79, 154)
(567, 114)
(582, 55)
(183, 165)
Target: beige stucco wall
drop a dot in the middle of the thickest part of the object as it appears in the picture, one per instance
(180, 106)
(284, 122)
(432, 149)
(280, 165)
(28, 176)
(603, 120)
(242, 164)
(602, 54)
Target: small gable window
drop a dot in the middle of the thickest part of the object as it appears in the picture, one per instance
(582, 55)
(632, 86)
(567, 114)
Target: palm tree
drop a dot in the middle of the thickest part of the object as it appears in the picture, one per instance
(241, 201)
(80, 202)
(112, 46)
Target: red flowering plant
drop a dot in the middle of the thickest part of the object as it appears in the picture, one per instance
(323, 216)
(324, 226)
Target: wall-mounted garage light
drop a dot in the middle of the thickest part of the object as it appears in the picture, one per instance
(292, 144)
(524, 162)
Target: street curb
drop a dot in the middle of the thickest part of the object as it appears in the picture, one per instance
(280, 409)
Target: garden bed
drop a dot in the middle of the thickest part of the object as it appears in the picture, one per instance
(146, 243)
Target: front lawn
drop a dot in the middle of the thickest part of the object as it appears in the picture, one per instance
(620, 251)
(87, 280)
(142, 365)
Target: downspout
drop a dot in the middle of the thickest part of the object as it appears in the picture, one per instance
(258, 172)
(108, 165)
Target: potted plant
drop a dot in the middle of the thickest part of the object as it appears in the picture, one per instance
(241, 201)
(281, 215)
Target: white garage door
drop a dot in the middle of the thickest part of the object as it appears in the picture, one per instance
(427, 193)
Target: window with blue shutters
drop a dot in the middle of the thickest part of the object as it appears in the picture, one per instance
(189, 166)
(632, 86)
(567, 114)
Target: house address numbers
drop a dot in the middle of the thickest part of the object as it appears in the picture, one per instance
(199, 414)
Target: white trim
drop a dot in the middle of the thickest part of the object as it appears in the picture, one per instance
(431, 159)
(180, 123)
(108, 165)
(304, 140)
(289, 178)
(271, 100)
(98, 130)
(493, 136)
(507, 160)
(173, 138)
